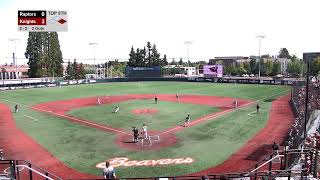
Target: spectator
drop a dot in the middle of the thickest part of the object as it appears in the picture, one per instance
(109, 172)
(204, 177)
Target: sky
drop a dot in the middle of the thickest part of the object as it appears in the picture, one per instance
(215, 27)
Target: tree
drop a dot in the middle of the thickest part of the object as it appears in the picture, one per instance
(44, 54)
(295, 67)
(239, 69)
(276, 69)
(148, 58)
(253, 65)
(55, 67)
(132, 58)
(75, 69)
(82, 72)
(34, 53)
(247, 67)
(145, 57)
(269, 67)
(70, 71)
(263, 67)
(284, 53)
(155, 56)
(173, 62)
(180, 61)
(315, 66)
(164, 61)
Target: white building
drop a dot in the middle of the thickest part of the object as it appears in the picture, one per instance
(188, 71)
(284, 64)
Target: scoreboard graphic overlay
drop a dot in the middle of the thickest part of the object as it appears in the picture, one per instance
(42, 21)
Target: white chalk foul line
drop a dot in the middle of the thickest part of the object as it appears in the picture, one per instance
(69, 117)
(216, 115)
(30, 117)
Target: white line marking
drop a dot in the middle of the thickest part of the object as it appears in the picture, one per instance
(69, 117)
(216, 115)
(30, 117)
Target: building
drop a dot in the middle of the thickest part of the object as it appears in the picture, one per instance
(284, 64)
(13, 72)
(229, 60)
(187, 71)
(310, 56)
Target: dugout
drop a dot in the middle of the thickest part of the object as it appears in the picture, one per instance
(154, 71)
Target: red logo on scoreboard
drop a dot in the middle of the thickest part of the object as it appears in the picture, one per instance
(62, 21)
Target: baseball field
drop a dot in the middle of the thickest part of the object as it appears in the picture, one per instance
(66, 130)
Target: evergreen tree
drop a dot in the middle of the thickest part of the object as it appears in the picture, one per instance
(164, 61)
(148, 60)
(181, 61)
(70, 71)
(173, 62)
(55, 67)
(82, 72)
(33, 53)
(44, 54)
(284, 53)
(132, 58)
(75, 69)
(155, 56)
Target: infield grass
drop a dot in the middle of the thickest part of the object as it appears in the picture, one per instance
(169, 114)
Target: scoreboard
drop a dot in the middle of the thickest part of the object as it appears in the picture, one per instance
(42, 21)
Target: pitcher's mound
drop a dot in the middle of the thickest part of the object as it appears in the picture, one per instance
(144, 111)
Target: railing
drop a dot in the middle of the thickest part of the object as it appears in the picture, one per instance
(23, 170)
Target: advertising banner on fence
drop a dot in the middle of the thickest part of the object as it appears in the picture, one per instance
(213, 70)
(154, 71)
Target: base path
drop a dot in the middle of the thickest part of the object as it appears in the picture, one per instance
(19, 146)
(280, 119)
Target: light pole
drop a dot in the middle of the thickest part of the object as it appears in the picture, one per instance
(94, 44)
(188, 43)
(15, 60)
(260, 38)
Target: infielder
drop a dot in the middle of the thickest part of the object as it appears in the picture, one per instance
(235, 103)
(187, 122)
(116, 109)
(144, 131)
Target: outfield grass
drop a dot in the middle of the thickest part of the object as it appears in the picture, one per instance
(170, 114)
(81, 147)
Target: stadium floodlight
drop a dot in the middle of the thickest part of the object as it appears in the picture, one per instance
(94, 45)
(15, 60)
(260, 38)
